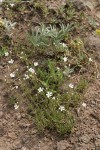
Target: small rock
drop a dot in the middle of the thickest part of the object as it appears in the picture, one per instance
(24, 148)
(93, 102)
(18, 116)
(45, 145)
(85, 139)
(97, 148)
(80, 148)
(1, 114)
(23, 115)
(12, 135)
(33, 131)
(97, 143)
(98, 14)
(90, 5)
(93, 42)
(17, 144)
(98, 136)
(62, 145)
(23, 125)
(1, 131)
(95, 115)
(97, 24)
(78, 4)
(25, 139)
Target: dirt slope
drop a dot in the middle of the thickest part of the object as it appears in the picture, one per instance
(18, 132)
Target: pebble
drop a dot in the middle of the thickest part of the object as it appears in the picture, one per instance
(24, 148)
(23, 125)
(97, 24)
(12, 135)
(98, 136)
(1, 114)
(97, 143)
(2, 132)
(80, 148)
(18, 116)
(85, 139)
(62, 145)
(93, 42)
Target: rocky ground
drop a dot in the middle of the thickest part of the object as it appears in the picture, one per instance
(18, 132)
(93, 5)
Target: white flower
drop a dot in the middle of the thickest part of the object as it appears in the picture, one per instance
(54, 98)
(49, 94)
(40, 89)
(61, 108)
(58, 68)
(65, 59)
(90, 59)
(7, 8)
(21, 52)
(11, 61)
(36, 63)
(84, 104)
(6, 54)
(26, 76)
(16, 86)
(16, 106)
(31, 70)
(11, 5)
(12, 75)
(63, 44)
(71, 85)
